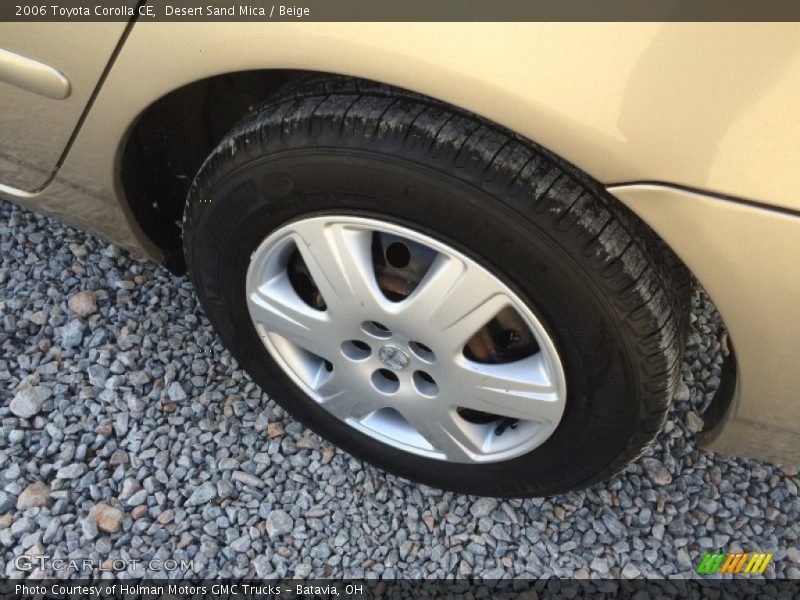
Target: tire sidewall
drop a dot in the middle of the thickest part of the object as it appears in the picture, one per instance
(233, 215)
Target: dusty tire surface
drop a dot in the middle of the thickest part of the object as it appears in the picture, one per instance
(591, 271)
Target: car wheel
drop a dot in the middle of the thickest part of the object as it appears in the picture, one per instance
(432, 293)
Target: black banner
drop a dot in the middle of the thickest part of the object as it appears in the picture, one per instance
(395, 11)
(506, 589)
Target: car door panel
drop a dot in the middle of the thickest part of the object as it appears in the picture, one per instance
(48, 73)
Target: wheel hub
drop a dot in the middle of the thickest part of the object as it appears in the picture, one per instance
(393, 357)
(449, 364)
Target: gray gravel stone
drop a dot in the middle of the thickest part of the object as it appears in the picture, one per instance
(205, 493)
(89, 528)
(6, 502)
(241, 544)
(279, 523)
(39, 317)
(247, 479)
(6, 538)
(72, 471)
(630, 571)
(136, 404)
(263, 567)
(129, 488)
(97, 375)
(30, 539)
(21, 526)
(138, 378)
(656, 471)
(175, 392)
(29, 401)
(138, 498)
(613, 524)
(694, 422)
(482, 507)
(72, 334)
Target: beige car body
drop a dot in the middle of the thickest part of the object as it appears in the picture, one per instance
(695, 127)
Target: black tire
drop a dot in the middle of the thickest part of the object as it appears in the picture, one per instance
(593, 273)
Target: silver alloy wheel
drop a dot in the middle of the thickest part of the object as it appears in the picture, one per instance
(397, 370)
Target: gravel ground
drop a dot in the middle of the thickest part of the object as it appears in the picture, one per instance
(128, 432)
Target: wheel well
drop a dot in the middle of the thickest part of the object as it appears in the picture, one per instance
(172, 138)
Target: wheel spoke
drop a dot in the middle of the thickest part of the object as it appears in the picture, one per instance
(520, 390)
(277, 307)
(344, 402)
(455, 300)
(339, 259)
(447, 433)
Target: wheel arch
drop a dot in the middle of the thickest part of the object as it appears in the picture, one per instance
(169, 140)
